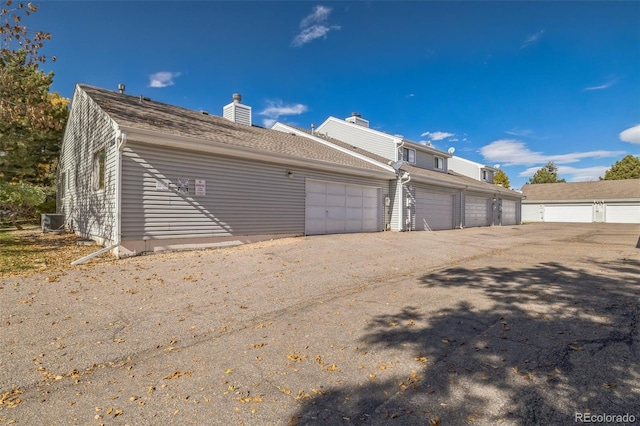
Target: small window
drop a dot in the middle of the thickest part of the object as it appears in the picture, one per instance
(439, 163)
(409, 155)
(99, 169)
(485, 175)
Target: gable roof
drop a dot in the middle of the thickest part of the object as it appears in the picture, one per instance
(133, 113)
(596, 190)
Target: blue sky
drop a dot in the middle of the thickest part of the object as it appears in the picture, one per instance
(510, 83)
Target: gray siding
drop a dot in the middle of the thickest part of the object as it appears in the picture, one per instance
(360, 137)
(242, 197)
(426, 160)
(89, 212)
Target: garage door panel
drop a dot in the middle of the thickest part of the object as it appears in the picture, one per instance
(433, 211)
(623, 214)
(336, 200)
(354, 190)
(564, 213)
(354, 202)
(316, 212)
(336, 189)
(337, 208)
(508, 212)
(354, 213)
(315, 199)
(476, 211)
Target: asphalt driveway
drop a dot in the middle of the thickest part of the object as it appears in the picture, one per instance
(533, 324)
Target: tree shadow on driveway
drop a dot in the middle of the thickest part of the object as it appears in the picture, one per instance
(531, 345)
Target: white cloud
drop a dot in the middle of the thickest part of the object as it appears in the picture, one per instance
(631, 135)
(512, 152)
(437, 136)
(163, 79)
(532, 39)
(519, 132)
(610, 82)
(314, 26)
(320, 14)
(276, 109)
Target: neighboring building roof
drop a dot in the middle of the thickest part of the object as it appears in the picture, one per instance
(131, 111)
(451, 177)
(596, 190)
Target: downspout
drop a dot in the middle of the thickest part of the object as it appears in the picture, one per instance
(399, 150)
(462, 197)
(120, 140)
(407, 176)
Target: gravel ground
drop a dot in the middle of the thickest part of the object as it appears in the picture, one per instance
(504, 325)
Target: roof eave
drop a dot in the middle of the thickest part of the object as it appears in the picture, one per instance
(155, 137)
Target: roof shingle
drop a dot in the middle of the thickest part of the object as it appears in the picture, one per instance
(596, 190)
(131, 111)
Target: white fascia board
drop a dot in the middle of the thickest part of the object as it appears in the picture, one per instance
(286, 129)
(153, 137)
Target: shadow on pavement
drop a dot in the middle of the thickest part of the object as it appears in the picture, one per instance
(554, 341)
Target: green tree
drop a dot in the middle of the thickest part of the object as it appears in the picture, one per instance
(501, 178)
(19, 200)
(32, 119)
(547, 174)
(627, 168)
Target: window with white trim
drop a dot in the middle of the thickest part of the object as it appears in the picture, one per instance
(99, 169)
(409, 155)
(438, 163)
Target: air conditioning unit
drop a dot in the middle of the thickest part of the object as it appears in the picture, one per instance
(52, 222)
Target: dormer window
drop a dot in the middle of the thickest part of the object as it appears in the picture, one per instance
(409, 155)
(439, 163)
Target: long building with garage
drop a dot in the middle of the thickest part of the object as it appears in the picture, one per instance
(138, 175)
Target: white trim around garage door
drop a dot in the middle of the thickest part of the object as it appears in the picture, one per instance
(337, 208)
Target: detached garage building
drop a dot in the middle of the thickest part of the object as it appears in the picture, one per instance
(610, 201)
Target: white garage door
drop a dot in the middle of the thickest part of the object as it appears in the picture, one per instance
(565, 213)
(334, 208)
(476, 211)
(508, 212)
(623, 214)
(433, 211)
